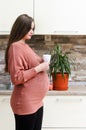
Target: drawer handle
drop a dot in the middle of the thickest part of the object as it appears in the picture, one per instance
(4, 100)
(69, 100)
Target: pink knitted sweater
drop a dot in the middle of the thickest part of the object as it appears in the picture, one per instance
(29, 87)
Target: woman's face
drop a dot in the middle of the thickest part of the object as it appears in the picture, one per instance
(30, 33)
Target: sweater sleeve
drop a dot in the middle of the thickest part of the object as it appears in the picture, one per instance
(16, 68)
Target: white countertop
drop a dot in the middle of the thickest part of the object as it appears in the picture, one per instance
(72, 90)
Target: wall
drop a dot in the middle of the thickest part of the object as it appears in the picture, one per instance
(44, 44)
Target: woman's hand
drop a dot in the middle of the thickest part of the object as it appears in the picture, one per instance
(42, 67)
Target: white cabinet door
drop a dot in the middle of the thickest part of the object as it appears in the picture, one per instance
(64, 112)
(6, 115)
(9, 11)
(65, 129)
(60, 17)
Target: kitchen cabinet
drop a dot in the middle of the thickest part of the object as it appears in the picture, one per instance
(6, 115)
(64, 112)
(61, 17)
(65, 129)
(10, 10)
(60, 113)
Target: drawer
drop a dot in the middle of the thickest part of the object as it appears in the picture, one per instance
(6, 115)
(64, 111)
(64, 129)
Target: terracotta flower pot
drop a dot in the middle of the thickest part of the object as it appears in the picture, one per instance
(60, 82)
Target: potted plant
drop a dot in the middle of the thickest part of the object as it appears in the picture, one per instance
(59, 68)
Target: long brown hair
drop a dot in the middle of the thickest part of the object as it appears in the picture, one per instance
(20, 28)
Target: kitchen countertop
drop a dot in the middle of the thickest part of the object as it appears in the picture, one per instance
(72, 90)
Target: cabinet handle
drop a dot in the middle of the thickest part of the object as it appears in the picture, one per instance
(4, 100)
(68, 100)
(65, 32)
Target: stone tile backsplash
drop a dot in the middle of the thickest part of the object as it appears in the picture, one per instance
(75, 45)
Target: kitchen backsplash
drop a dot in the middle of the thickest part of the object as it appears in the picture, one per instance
(74, 45)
